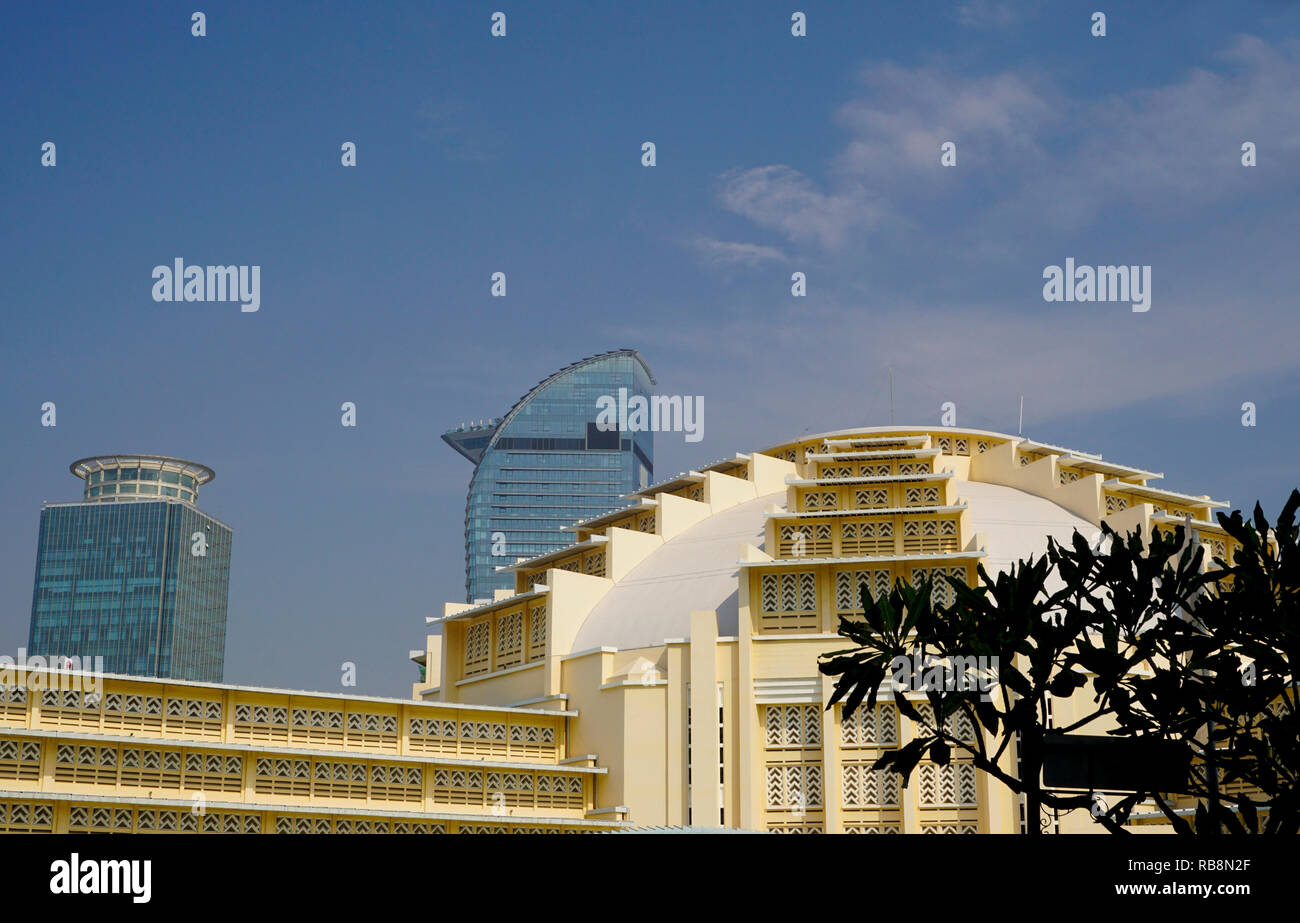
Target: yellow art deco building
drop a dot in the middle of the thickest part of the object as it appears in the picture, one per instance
(661, 671)
(685, 629)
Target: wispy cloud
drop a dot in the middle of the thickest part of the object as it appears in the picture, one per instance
(728, 252)
(908, 112)
(1177, 148)
(782, 199)
(1030, 157)
(892, 155)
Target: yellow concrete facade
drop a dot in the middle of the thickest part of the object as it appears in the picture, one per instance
(81, 753)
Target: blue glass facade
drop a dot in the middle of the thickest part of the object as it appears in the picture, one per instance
(546, 465)
(120, 580)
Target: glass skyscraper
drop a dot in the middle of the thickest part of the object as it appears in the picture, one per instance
(134, 573)
(546, 464)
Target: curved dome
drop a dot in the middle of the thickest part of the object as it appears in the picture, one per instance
(695, 570)
(698, 568)
(1015, 523)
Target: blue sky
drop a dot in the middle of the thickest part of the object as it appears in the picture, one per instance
(775, 154)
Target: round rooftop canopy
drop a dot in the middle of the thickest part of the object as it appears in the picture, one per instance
(135, 477)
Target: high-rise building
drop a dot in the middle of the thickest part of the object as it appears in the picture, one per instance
(546, 464)
(134, 573)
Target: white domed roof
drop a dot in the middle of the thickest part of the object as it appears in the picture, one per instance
(692, 571)
(1016, 524)
(698, 569)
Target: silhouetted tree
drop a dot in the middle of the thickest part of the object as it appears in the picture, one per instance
(1172, 651)
(1219, 678)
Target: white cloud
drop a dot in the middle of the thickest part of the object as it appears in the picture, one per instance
(727, 252)
(1178, 147)
(1030, 158)
(909, 112)
(892, 156)
(783, 199)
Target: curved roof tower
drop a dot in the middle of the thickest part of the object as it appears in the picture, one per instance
(545, 464)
